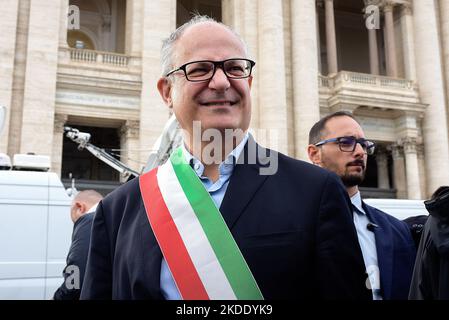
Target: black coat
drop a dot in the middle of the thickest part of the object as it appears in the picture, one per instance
(294, 229)
(431, 274)
(77, 256)
(396, 253)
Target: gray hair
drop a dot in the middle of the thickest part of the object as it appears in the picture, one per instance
(168, 45)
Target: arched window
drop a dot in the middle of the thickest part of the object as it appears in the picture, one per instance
(78, 39)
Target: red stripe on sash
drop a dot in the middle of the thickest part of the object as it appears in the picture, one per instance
(170, 241)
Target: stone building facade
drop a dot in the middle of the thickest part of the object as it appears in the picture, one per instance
(387, 61)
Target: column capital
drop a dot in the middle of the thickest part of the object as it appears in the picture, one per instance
(420, 150)
(396, 151)
(59, 122)
(130, 129)
(372, 2)
(381, 154)
(406, 9)
(381, 150)
(409, 144)
(388, 5)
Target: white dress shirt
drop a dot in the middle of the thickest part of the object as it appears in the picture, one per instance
(367, 243)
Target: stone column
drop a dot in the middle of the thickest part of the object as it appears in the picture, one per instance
(431, 87)
(113, 26)
(317, 31)
(305, 70)
(58, 138)
(40, 77)
(273, 113)
(444, 23)
(422, 171)
(373, 52)
(18, 82)
(243, 17)
(8, 25)
(159, 20)
(408, 41)
(134, 28)
(129, 143)
(390, 42)
(400, 181)
(372, 23)
(412, 168)
(382, 169)
(63, 20)
(331, 40)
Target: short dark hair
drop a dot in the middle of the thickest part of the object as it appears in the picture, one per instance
(317, 132)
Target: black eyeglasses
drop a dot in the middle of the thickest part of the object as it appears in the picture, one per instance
(204, 70)
(347, 144)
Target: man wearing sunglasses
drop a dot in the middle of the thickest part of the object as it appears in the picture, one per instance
(337, 143)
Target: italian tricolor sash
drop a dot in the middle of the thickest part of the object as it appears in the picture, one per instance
(197, 245)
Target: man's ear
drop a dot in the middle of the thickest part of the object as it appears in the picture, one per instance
(314, 154)
(165, 86)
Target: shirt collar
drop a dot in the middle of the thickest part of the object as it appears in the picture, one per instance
(226, 167)
(357, 202)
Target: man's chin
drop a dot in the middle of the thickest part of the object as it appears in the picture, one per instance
(352, 180)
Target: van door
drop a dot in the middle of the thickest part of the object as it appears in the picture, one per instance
(35, 234)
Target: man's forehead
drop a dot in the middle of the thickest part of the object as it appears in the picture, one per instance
(208, 36)
(342, 125)
(205, 29)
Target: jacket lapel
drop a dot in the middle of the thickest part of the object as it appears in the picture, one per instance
(245, 181)
(384, 248)
(151, 255)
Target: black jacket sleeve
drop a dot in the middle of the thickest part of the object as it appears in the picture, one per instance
(98, 279)
(73, 273)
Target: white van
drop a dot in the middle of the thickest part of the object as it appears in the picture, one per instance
(399, 208)
(35, 234)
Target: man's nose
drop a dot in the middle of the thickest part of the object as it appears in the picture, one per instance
(359, 150)
(219, 81)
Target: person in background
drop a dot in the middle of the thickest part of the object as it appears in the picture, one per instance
(337, 143)
(81, 212)
(431, 274)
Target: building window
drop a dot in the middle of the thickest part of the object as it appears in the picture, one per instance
(87, 170)
(102, 25)
(79, 40)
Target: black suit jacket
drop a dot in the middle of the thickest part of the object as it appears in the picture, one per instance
(396, 253)
(77, 256)
(294, 229)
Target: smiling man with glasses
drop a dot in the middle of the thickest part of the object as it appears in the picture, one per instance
(194, 229)
(337, 143)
